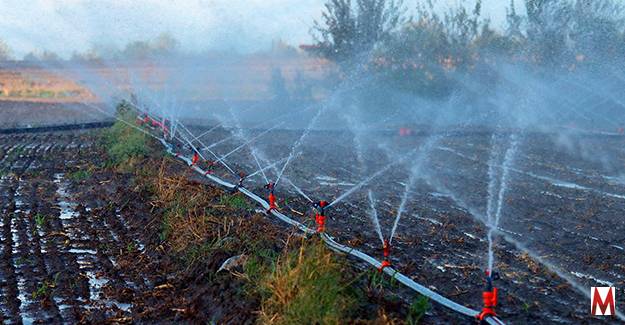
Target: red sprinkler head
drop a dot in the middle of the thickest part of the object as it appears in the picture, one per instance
(196, 158)
(384, 264)
(321, 222)
(387, 253)
(272, 201)
(320, 216)
(489, 297)
(387, 248)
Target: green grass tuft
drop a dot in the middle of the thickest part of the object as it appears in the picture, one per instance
(235, 201)
(124, 144)
(79, 175)
(417, 310)
(307, 287)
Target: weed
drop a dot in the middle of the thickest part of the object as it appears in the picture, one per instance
(131, 247)
(198, 252)
(40, 220)
(79, 175)
(417, 310)
(306, 287)
(379, 280)
(19, 261)
(258, 265)
(236, 201)
(124, 144)
(44, 290)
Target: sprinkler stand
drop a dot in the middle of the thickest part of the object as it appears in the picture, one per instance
(489, 297)
(320, 216)
(387, 253)
(195, 159)
(272, 198)
(240, 183)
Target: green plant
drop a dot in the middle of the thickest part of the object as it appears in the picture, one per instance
(235, 201)
(125, 144)
(40, 220)
(199, 252)
(379, 280)
(79, 175)
(259, 264)
(307, 286)
(417, 310)
(131, 247)
(43, 290)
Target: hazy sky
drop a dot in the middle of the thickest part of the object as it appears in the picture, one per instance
(64, 26)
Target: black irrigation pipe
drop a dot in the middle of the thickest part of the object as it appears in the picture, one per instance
(62, 127)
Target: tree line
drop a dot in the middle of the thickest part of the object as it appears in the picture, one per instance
(417, 45)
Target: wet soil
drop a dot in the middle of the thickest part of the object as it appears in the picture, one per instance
(561, 230)
(78, 248)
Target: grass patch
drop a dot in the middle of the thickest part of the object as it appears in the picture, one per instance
(125, 145)
(235, 201)
(287, 281)
(417, 310)
(40, 220)
(307, 286)
(79, 175)
(43, 290)
(189, 224)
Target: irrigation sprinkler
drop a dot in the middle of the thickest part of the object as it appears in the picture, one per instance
(489, 297)
(272, 198)
(239, 185)
(386, 248)
(320, 207)
(195, 159)
(320, 215)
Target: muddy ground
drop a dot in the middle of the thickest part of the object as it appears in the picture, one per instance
(561, 231)
(22, 114)
(88, 250)
(81, 243)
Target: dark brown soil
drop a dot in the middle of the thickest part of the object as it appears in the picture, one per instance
(88, 249)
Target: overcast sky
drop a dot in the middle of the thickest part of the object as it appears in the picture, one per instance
(65, 26)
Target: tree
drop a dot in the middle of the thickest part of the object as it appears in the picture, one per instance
(348, 31)
(594, 25)
(137, 50)
(164, 44)
(45, 56)
(514, 21)
(5, 51)
(548, 29)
